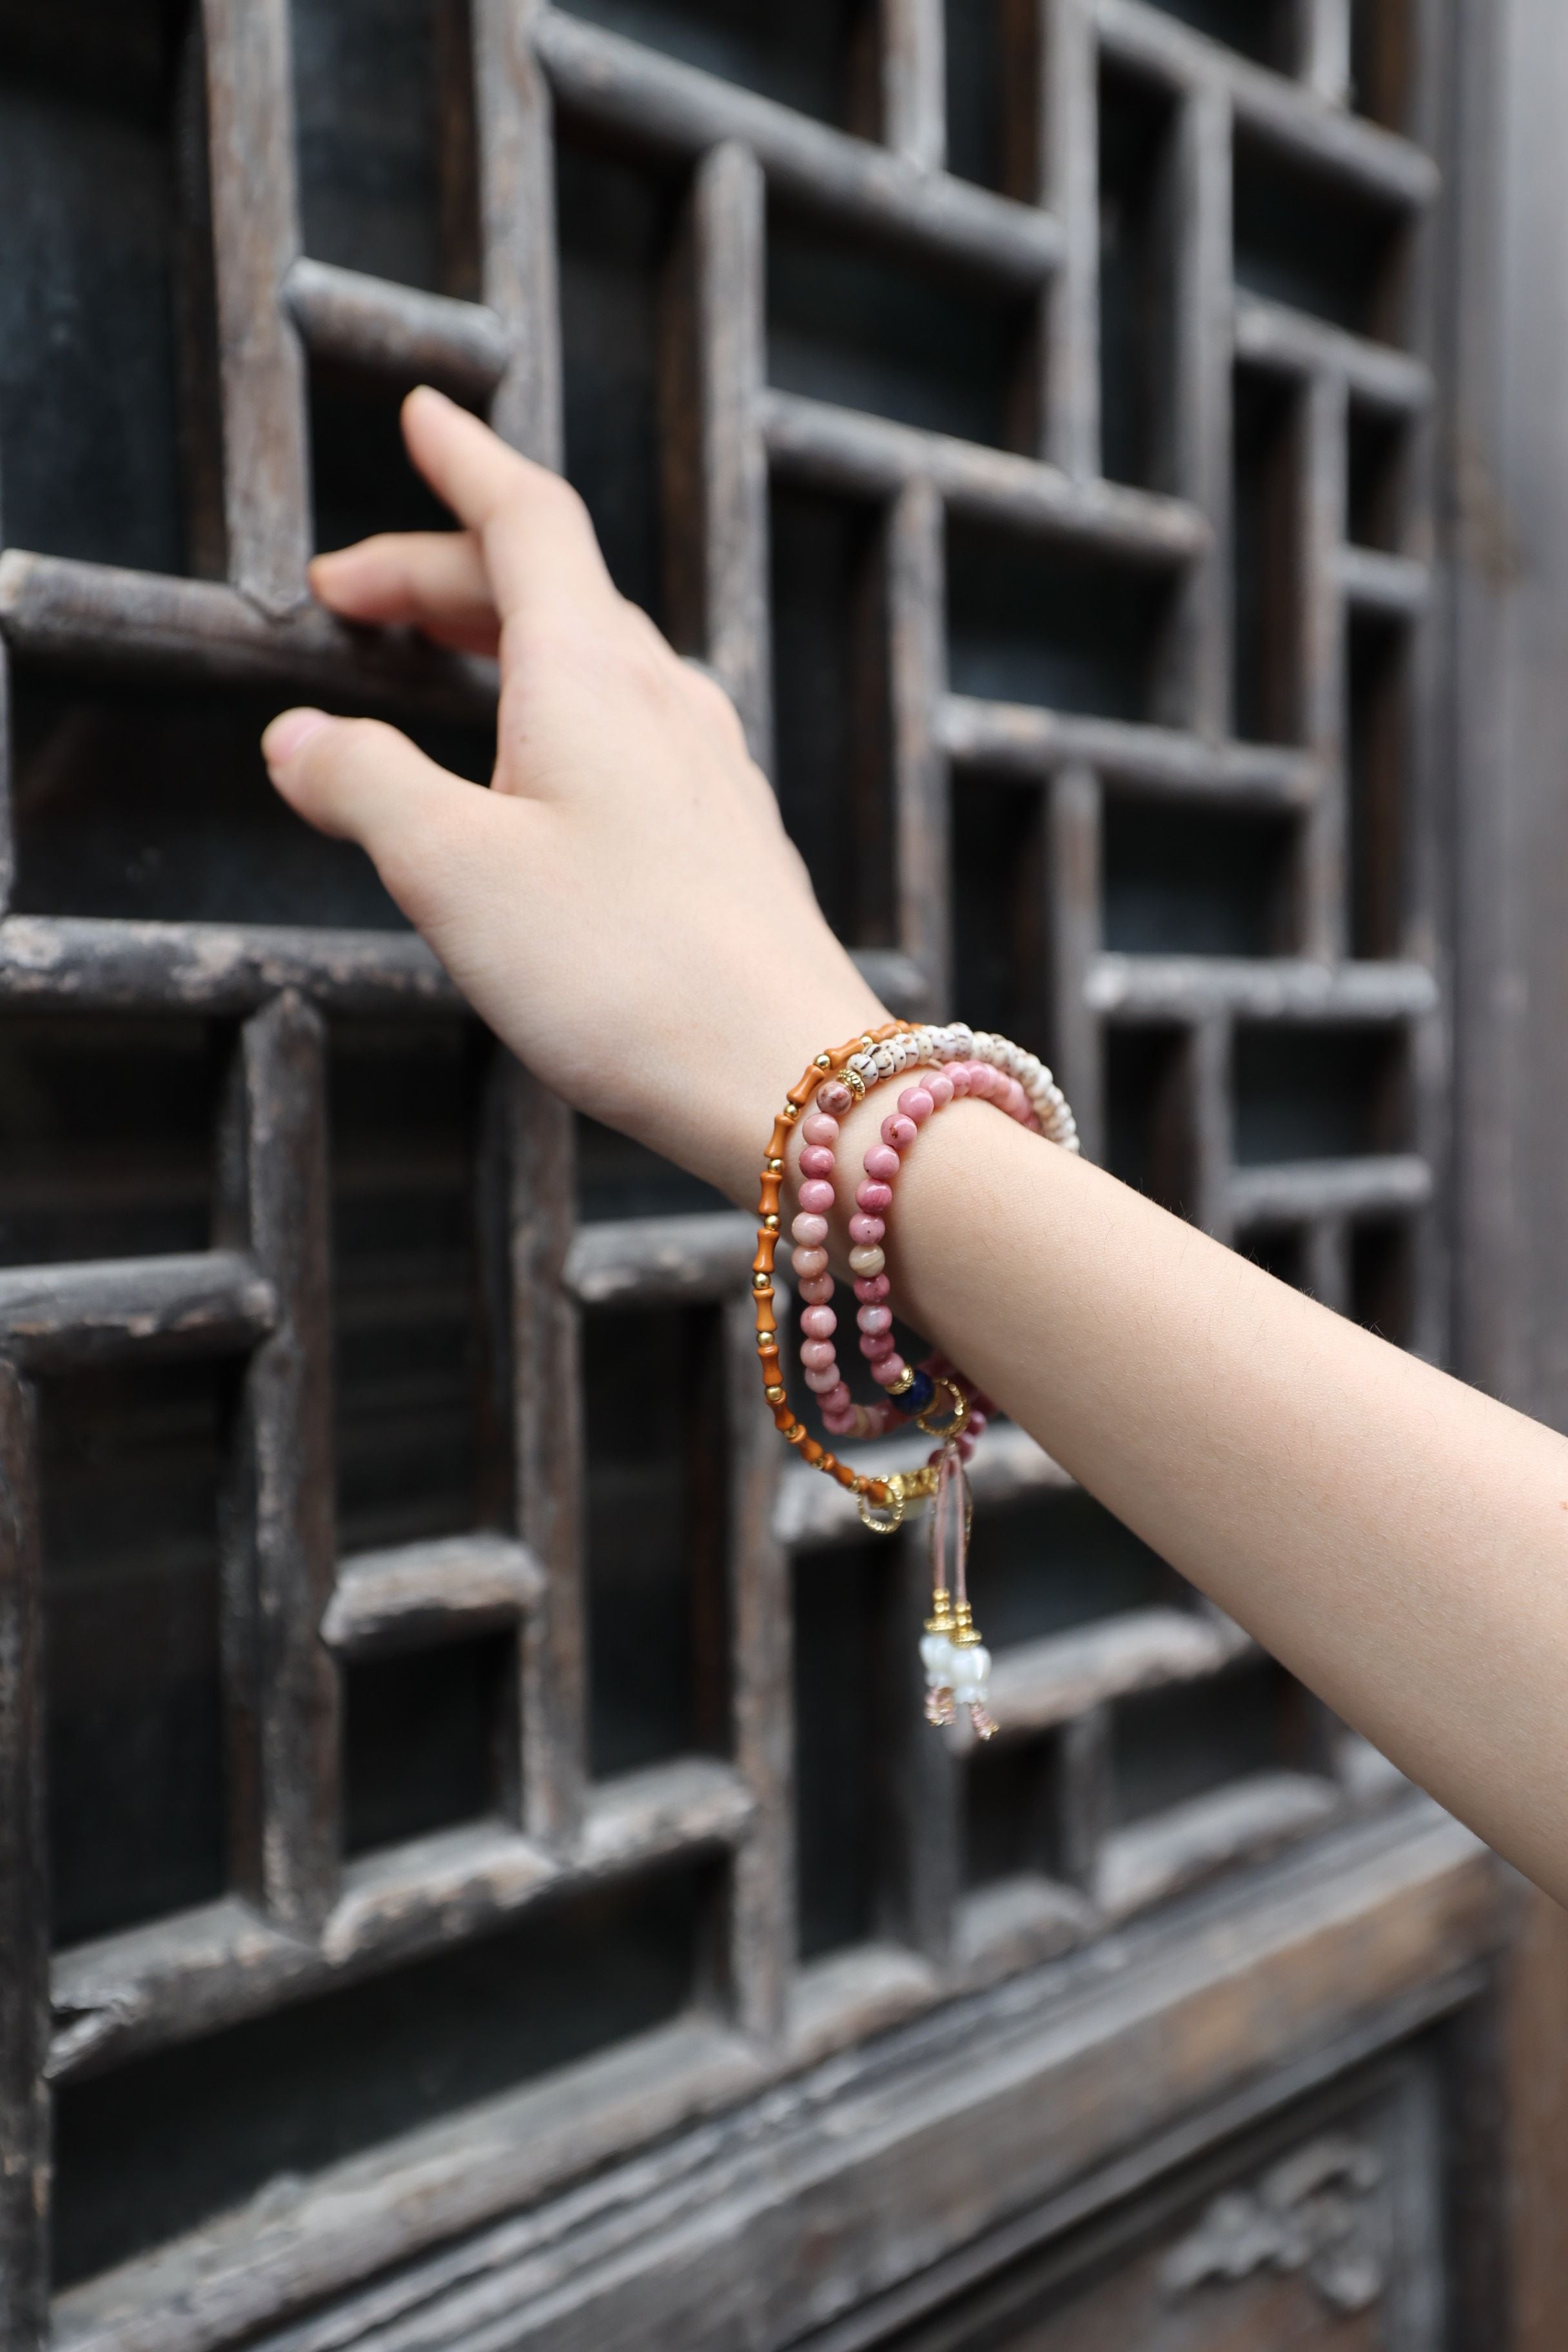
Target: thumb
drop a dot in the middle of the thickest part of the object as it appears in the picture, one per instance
(365, 782)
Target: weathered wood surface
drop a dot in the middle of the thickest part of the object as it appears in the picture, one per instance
(845, 448)
(1131, 988)
(643, 1260)
(926, 2142)
(1276, 336)
(213, 1302)
(82, 963)
(23, 1921)
(633, 89)
(412, 336)
(1019, 739)
(1292, 1190)
(416, 1593)
(58, 610)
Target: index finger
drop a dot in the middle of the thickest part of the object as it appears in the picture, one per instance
(534, 528)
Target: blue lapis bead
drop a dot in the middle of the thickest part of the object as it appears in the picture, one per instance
(918, 1397)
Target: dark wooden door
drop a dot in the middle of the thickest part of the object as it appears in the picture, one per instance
(454, 1892)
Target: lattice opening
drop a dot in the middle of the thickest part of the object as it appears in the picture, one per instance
(282, 2097)
(421, 1745)
(990, 81)
(1197, 880)
(833, 722)
(816, 57)
(1318, 1094)
(617, 1178)
(420, 1449)
(1149, 1119)
(132, 1469)
(867, 328)
(361, 476)
(1048, 1563)
(1377, 774)
(1137, 226)
(1031, 620)
(1169, 1747)
(1304, 237)
(1378, 484)
(107, 400)
(144, 803)
(1383, 1277)
(841, 1640)
(999, 906)
(1382, 60)
(654, 1491)
(384, 135)
(1264, 31)
(1012, 1812)
(1267, 462)
(107, 1137)
(617, 217)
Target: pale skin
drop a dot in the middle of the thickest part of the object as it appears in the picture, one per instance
(625, 910)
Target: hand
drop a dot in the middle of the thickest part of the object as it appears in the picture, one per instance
(623, 905)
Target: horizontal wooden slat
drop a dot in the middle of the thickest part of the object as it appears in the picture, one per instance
(1296, 1190)
(657, 101)
(848, 1995)
(419, 1593)
(1295, 118)
(1272, 335)
(209, 1302)
(1017, 1923)
(57, 610)
(1049, 2096)
(201, 1969)
(1399, 586)
(872, 456)
(642, 1261)
(66, 963)
(1038, 1685)
(417, 337)
(1155, 1859)
(812, 1509)
(1186, 988)
(1021, 738)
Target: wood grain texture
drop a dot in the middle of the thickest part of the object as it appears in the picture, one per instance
(407, 1597)
(256, 238)
(279, 1523)
(81, 963)
(517, 222)
(24, 1913)
(213, 1302)
(917, 665)
(412, 336)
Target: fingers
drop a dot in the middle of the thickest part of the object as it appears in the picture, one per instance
(365, 781)
(537, 539)
(433, 580)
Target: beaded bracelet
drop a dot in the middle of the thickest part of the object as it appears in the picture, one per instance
(963, 1062)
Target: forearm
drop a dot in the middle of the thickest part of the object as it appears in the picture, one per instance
(1399, 1541)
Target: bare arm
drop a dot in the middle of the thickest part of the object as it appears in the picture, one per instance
(625, 910)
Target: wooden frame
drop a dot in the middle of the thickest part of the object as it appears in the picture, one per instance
(1391, 1916)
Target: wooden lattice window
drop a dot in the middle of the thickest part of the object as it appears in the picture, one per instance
(414, 1790)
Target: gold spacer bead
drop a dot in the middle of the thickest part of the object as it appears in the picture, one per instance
(774, 1392)
(855, 1082)
(791, 1112)
(768, 1343)
(771, 1223)
(772, 1167)
(795, 1435)
(904, 1383)
(823, 1062)
(866, 1040)
(762, 1282)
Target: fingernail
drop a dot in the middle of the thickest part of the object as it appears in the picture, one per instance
(287, 731)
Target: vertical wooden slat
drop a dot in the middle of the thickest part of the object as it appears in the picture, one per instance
(517, 222)
(280, 1540)
(24, 1910)
(1073, 815)
(1199, 683)
(256, 236)
(715, 469)
(7, 775)
(1322, 672)
(1324, 40)
(549, 1452)
(914, 96)
(1207, 1075)
(1328, 1263)
(917, 674)
(1085, 1794)
(762, 1908)
(1070, 133)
